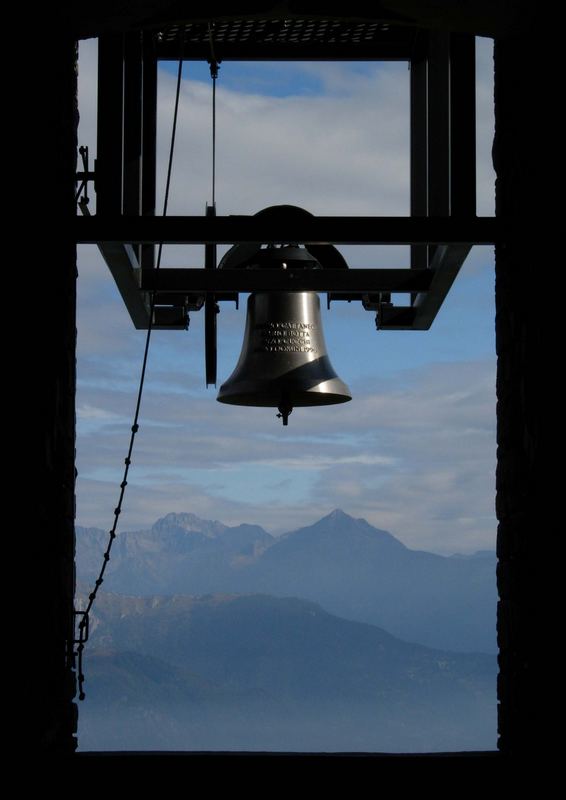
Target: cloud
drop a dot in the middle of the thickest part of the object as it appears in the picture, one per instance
(330, 154)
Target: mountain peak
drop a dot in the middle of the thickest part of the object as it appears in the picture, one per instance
(338, 517)
(338, 514)
(189, 523)
(342, 528)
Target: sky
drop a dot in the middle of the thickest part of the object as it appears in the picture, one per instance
(414, 451)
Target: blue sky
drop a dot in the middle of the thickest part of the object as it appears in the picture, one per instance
(414, 451)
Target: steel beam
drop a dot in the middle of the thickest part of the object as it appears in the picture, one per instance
(273, 51)
(397, 318)
(419, 146)
(438, 94)
(110, 114)
(337, 281)
(132, 124)
(122, 263)
(462, 125)
(320, 230)
(131, 184)
(121, 260)
(149, 139)
(210, 311)
(444, 268)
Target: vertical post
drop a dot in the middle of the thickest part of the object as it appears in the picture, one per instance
(210, 311)
(132, 127)
(109, 160)
(462, 125)
(419, 145)
(149, 139)
(438, 125)
(438, 95)
(132, 124)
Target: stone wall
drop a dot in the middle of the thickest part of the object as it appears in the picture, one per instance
(519, 158)
(52, 254)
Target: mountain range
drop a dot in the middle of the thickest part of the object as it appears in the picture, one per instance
(347, 566)
(256, 672)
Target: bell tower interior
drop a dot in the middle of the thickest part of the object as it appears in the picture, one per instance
(522, 153)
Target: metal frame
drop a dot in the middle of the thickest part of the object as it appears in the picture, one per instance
(441, 230)
(293, 38)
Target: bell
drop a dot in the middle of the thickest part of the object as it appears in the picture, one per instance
(284, 362)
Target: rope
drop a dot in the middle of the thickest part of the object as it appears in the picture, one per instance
(84, 623)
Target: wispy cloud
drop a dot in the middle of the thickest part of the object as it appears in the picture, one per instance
(418, 460)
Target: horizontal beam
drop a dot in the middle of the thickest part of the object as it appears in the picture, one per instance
(339, 281)
(397, 318)
(314, 230)
(256, 51)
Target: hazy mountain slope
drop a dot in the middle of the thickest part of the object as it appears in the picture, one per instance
(260, 672)
(357, 571)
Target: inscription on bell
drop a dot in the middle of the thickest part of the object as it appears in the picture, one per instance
(285, 337)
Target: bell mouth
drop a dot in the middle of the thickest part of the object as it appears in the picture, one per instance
(270, 397)
(286, 399)
(311, 384)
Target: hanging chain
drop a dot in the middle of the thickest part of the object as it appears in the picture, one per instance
(83, 626)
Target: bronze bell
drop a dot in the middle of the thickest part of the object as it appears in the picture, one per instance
(284, 362)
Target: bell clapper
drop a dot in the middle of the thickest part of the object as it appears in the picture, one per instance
(284, 410)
